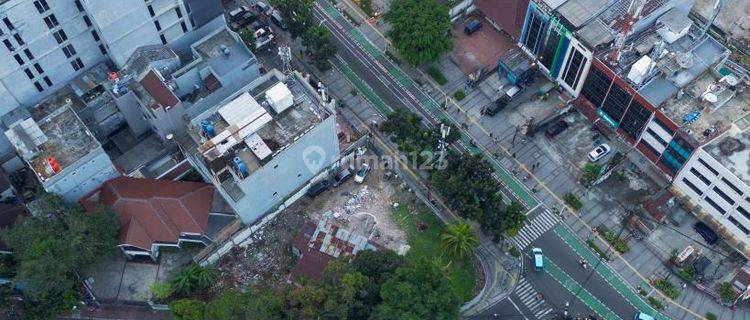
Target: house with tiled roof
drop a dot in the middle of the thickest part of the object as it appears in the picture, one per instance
(161, 213)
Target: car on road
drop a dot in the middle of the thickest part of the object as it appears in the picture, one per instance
(555, 128)
(599, 152)
(642, 316)
(362, 173)
(706, 233)
(537, 258)
(318, 188)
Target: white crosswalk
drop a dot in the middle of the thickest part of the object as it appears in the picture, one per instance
(531, 299)
(535, 228)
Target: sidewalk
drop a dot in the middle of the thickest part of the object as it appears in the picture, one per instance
(554, 180)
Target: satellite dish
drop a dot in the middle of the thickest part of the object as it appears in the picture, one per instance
(710, 97)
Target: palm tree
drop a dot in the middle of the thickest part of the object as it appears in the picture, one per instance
(459, 240)
(192, 277)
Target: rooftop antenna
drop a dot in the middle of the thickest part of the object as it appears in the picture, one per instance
(285, 53)
(444, 132)
(634, 12)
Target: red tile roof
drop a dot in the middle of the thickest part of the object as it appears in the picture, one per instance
(159, 91)
(509, 14)
(155, 210)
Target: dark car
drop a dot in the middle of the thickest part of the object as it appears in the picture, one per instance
(318, 188)
(472, 26)
(341, 177)
(555, 128)
(706, 232)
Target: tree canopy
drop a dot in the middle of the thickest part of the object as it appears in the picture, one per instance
(52, 246)
(297, 15)
(420, 30)
(317, 39)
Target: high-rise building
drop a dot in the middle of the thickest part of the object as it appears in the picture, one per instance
(50, 42)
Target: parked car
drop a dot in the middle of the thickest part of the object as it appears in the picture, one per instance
(242, 21)
(238, 12)
(277, 19)
(362, 173)
(263, 7)
(555, 128)
(318, 188)
(501, 102)
(706, 232)
(472, 26)
(537, 258)
(342, 176)
(599, 152)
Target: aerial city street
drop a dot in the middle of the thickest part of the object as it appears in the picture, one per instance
(375, 159)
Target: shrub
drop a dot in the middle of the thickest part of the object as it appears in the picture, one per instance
(655, 303)
(687, 273)
(710, 316)
(573, 201)
(726, 291)
(616, 242)
(187, 309)
(599, 251)
(436, 75)
(514, 252)
(667, 288)
(459, 95)
(161, 290)
(192, 279)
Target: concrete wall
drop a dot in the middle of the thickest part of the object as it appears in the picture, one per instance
(704, 182)
(83, 176)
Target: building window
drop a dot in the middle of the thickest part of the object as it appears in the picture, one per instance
(158, 25)
(78, 5)
(51, 21)
(184, 27)
(8, 24)
(700, 176)
(87, 21)
(163, 40)
(41, 5)
(743, 212)
(18, 59)
(102, 49)
(60, 36)
(9, 45)
(38, 68)
(275, 193)
(187, 7)
(77, 64)
(28, 54)
(47, 81)
(724, 195)
(95, 35)
(29, 74)
(705, 164)
(38, 86)
(179, 13)
(69, 51)
(18, 39)
(596, 86)
(151, 10)
(738, 225)
(715, 205)
(692, 186)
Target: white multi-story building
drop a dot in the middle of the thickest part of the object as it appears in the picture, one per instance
(50, 42)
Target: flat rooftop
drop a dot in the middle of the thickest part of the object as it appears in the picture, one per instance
(53, 131)
(222, 52)
(732, 150)
(247, 127)
(717, 101)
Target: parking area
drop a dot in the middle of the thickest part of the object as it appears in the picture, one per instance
(479, 50)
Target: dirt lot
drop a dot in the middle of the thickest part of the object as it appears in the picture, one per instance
(269, 257)
(479, 50)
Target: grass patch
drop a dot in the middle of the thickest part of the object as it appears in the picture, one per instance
(426, 243)
(710, 316)
(436, 75)
(599, 251)
(667, 288)
(459, 95)
(573, 201)
(658, 305)
(616, 242)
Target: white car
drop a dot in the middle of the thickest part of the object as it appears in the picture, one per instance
(599, 152)
(362, 173)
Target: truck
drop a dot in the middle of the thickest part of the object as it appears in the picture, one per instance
(501, 102)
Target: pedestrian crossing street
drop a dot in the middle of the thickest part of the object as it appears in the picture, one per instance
(531, 299)
(535, 228)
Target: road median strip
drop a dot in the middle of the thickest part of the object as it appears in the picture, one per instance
(575, 288)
